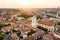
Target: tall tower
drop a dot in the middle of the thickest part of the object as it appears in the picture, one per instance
(34, 21)
(57, 16)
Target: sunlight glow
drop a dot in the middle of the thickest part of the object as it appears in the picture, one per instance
(26, 3)
(29, 3)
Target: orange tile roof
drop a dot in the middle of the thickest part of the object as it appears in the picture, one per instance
(50, 37)
(14, 37)
(29, 38)
(38, 34)
(56, 39)
(27, 21)
(25, 29)
(6, 28)
(58, 33)
(46, 22)
(35, 35)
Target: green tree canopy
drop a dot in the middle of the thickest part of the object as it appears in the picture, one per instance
(2, 36)
(25, 15)
(31, 32)
(58, 23)
(39, 17)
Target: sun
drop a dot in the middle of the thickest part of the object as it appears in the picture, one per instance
(26, 3)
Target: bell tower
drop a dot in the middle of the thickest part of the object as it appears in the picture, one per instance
(34, 21)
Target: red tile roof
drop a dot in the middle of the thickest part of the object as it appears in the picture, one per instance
(46, 22)
(14, 37)
(6, 28)
(49, 36)
(25, 29)
(58, 33)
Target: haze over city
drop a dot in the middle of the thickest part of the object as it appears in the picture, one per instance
(29, 19)
(29, 3)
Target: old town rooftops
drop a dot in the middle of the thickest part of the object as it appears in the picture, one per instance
(46, 22)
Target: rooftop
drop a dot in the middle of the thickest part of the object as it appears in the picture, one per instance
(46, 22)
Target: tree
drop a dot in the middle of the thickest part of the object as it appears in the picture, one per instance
(44, 29)
(13, 30)
(2, 36)
(58, 23)
(31, 32)
(7, 33)
(1, 25)
(39, 17)
(24, 15)
(18, 33)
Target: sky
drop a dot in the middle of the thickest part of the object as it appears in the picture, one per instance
(29, 3)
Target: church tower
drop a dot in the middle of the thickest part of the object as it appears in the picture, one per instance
(34, 21)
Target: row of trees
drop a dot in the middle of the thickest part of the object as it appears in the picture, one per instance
(24, 15)
(44, 29)
(27, 16)
(39, 17)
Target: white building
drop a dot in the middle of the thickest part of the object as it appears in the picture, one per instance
(48, 24)
(34, 21)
